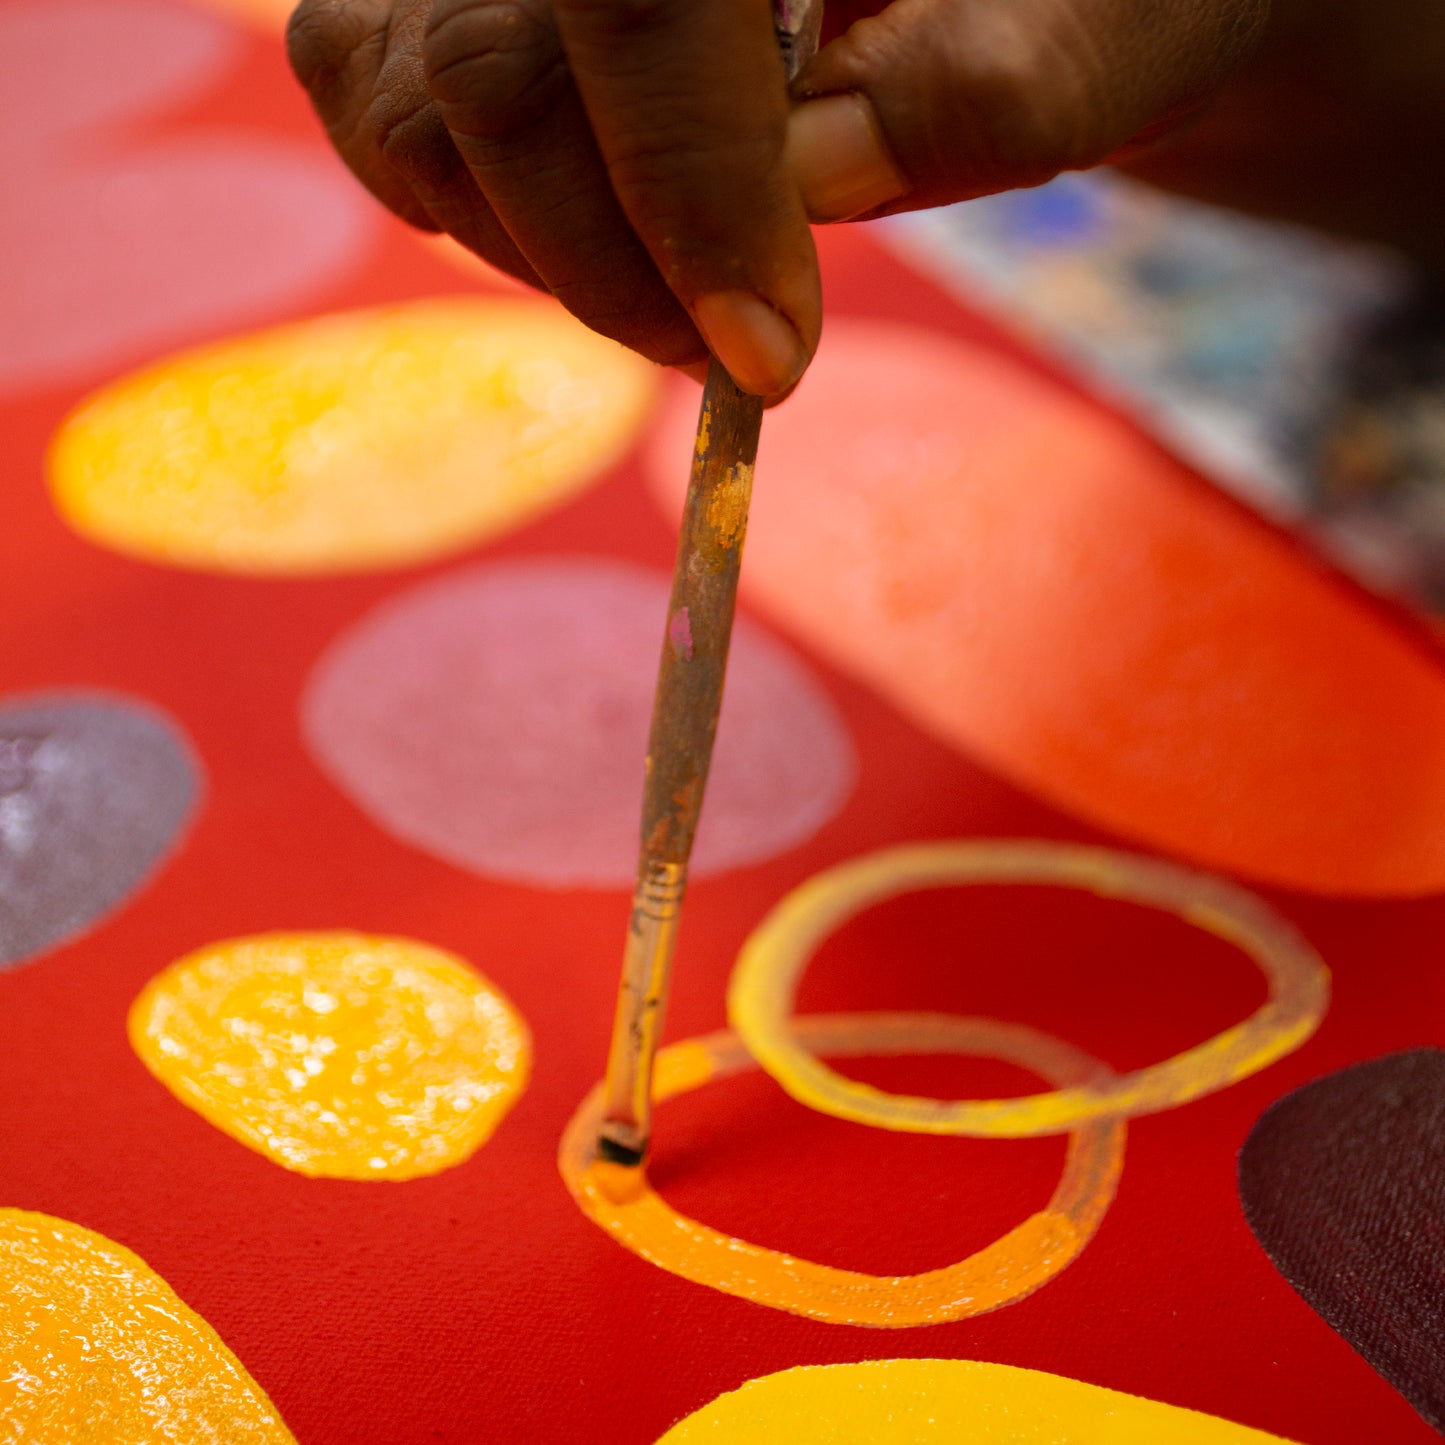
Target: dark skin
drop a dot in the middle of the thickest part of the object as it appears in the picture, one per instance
(644, 161)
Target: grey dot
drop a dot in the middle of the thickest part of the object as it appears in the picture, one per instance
(95, 792)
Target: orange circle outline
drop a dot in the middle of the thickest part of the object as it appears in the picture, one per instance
(622, 1202)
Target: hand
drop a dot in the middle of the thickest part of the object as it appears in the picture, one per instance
(625, 155)
(644, 162)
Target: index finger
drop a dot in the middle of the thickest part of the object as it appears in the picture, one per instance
(688, 101)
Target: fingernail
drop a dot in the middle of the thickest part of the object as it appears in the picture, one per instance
(759, 347)
(839, 158)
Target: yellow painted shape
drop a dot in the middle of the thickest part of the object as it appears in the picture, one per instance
(916, 1402)
(622, 1202)
(364, 440)
(336, 1054)
(99, 1350)
(773, 960)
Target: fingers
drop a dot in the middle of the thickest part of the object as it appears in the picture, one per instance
(500, 80)
(688, 103)
(935, 101)
(337, 49)
(629, 158)
(360, 60)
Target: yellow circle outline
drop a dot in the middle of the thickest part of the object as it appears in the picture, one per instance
(624, 1204)
(765, 981)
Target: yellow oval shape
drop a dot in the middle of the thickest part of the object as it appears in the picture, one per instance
(97, 1346)
(364, 440)
(336, 1054)
(915, 1402)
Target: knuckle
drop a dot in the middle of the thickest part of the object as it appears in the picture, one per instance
(1034, 99)
(1012, 104)
(321, 38)
(1002, 95)
(403, 128)
(493, 65)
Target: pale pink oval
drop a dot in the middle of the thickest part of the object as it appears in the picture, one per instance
(121, 241)
(497, 718)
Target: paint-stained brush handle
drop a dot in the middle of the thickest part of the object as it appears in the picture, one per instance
(679, 749)
(687, 704)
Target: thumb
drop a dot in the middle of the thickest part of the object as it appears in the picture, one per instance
(934, 101)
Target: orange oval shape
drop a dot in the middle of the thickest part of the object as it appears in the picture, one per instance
(1028, 579)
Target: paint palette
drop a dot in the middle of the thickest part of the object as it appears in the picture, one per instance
(330, 594)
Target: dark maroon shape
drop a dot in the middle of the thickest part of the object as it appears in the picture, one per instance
(1343, 1183)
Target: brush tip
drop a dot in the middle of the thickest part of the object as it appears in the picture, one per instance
(615, 1152)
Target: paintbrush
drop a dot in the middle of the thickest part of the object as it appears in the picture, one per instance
(686, 704)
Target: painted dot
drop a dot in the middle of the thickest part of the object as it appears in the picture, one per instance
(1031, 581)
(95, 792)
(127, 241)
(336, 1054)
(97, 1346)
(916, 1402)
(498, 719)
(364, 440)
(103, 60)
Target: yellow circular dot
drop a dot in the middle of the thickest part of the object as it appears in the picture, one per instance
(353, 442)
(336, 1054)
(919, 1402)
(97, 1346)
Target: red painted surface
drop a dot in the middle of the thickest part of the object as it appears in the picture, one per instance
(479, 1305)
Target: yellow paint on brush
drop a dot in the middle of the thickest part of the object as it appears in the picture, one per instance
(945, 1402)
(622, 1202)
(98, 1347)
(336, 1054)
(772, 962)
(365, 440)
(727, 509)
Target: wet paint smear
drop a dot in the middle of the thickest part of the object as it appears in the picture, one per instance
(945, 1402)
(128, 242)
(620, 1200)
(773, 960)
(95, 792)
(336, 1054)
(364, 440)
(1343, 1183)
(498, 719)
(1034, 583)
(97, 1346)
